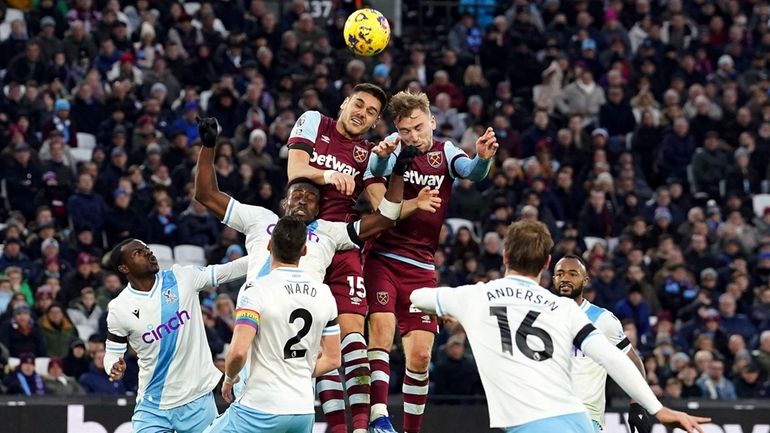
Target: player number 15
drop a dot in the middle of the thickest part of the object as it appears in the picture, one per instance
(356, 286)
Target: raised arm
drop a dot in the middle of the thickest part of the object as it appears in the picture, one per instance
(477, 168)
(206, 189)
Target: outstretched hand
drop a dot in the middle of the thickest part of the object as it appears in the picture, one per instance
(687, 422)
(428, 200)
(385, 148)
(208, 130)
(486, 145)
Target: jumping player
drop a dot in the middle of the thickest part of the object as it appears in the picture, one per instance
(401, 259)
(335, 154)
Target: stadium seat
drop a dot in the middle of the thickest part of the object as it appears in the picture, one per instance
(191, 7)
(189, 255)
(41, 364)
(457, 223)
(164, 254)
(761, 201)
(204, 99)
(80, 154)
(86, 140)
(590, 241)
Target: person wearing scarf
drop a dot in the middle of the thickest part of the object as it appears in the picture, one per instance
(24, 380)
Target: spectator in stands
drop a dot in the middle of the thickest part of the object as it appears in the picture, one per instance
(732, 322)
(597, 216)
(713, 383)
(455, 372)
(583, 96)
(634, 307)
(216, 344)
(85, 313)
(86, 274)
(96, 380)
(57, 383)
(123, 221)
(77, 360)
(27, 66)
(709, 166)
(445, 114)
(22, 178)
(86, 208)
(13, 256)
(58, 331)
(21, 334)
(689, 375)
(24, 380)
(108, 290)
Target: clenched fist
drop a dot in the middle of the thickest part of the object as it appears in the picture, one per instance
(208, 130)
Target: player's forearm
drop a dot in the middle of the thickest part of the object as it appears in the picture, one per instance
(474, 169)
(390, 208)
(206, 188)
(634, 357)
(326, 364)
(231, 271)
(408, 208)
(379, 166)
(234, 363)
(622, 371)
(425, 300)
(299, 166)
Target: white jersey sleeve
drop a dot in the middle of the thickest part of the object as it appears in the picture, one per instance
(305, 132)
(117, 336)
(344, 235)
(610, 326)
(198, 278)
(244, 218)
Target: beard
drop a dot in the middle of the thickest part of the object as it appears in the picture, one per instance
(573, 293)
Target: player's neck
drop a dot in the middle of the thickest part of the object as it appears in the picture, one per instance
(275, 264)
(143, 283)
(579, 300)
(512, 273)
(341, 130)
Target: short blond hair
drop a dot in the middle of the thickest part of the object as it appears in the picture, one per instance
(404, 102)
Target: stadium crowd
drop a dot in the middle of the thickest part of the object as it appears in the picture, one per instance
(638, 131)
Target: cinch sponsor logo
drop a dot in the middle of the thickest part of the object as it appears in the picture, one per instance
(311, 235)
(160, 331)
(431, 180)
(330, 161)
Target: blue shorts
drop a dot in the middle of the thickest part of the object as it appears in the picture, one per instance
(239, 418)
(192, 417)
(570, 423)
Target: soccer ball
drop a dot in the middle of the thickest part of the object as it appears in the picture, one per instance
(367, 32)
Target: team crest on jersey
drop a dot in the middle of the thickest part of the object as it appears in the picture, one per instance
(170, 297)
(383, 298)
(360, 154)
(435, 158)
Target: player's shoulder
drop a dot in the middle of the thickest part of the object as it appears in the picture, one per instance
(324, 225)
(597, 314)
(311, 116)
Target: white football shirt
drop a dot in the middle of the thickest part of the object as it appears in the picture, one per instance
(588, 377)
(522, 337)
(324, 238)
(293, 311)
(165, 328)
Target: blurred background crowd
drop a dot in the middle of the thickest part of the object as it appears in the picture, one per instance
(637, 130)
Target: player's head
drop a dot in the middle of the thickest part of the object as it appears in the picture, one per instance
(133, 257)
(360, 111)
(414, 122)
(287, 243)
(528, 247)
(570, 276)
(302, 199)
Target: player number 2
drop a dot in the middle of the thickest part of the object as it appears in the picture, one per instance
(526, 328)
(357, 287)
(307, 321)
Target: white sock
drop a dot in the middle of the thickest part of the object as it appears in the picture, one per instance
(377, 410)
(360, 430)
